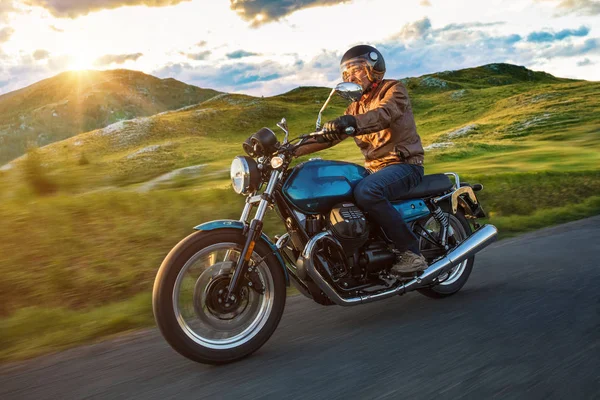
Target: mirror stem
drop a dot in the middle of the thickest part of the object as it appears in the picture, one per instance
(323, 108)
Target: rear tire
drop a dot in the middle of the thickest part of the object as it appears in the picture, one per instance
(452, 284)
(200, 333)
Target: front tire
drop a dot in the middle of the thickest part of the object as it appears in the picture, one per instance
(187, 304)
(456, 278)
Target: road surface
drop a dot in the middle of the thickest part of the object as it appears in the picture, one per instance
(526, 325)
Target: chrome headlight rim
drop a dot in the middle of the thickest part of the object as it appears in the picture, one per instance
(245, 176)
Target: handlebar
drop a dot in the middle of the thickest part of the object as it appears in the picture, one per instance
(348, 131)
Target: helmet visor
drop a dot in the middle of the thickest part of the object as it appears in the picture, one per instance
(353, 67)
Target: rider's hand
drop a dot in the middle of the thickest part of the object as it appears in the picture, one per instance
(340, 124)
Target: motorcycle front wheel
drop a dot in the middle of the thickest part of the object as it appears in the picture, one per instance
(190, 307)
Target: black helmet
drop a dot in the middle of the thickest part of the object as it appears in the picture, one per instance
(365, 56)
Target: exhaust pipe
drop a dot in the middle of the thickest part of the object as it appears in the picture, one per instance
(479, 240)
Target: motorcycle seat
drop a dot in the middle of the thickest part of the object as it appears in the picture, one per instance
(431, 185)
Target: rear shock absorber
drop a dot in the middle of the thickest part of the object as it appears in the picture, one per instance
(442, 219)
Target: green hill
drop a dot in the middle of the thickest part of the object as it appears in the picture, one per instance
(75, 102)
(480, 77)
(538, 122)
(87, 221)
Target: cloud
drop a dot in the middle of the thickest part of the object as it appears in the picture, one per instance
(6, 33)
(590, 46)
(41, 54)
(201, 43)
(425, 3)
(76, 8)
(116, 58)
(240, 54)
(203, 55)
(6, 6)
(422, 30)
(585, 62)
(579, 7)
(544, 36)
(414, 30)
(262, 11)
(261, 78)
(468, 25)
(55, 29)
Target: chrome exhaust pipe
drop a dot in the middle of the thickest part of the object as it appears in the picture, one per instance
(482, 238)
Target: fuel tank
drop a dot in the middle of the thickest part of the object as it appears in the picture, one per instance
(315, 186)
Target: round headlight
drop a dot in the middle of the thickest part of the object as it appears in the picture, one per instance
(276, 162)
(245, 176)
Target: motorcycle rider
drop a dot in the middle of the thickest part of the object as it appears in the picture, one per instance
(392, 149)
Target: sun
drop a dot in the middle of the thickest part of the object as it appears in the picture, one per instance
(81, 62)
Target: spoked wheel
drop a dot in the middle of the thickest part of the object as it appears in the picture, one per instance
(453, 280)
(190, 300)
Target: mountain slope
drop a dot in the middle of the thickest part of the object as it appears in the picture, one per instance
(75, 102)
(539, 122)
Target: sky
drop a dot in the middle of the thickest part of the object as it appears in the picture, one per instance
(266, 47)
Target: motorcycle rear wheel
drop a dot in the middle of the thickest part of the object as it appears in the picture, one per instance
(455, 279)
(188, 298)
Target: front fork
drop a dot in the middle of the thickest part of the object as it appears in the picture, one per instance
(253, 232)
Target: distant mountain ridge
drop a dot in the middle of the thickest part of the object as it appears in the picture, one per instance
(499, 115)
(75, 102)
(498, 74)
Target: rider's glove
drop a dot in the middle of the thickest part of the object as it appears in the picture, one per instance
(340, 125)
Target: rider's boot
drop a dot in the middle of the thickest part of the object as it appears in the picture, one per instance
(408, 262)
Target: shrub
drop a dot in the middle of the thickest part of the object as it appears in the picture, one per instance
(35, 174)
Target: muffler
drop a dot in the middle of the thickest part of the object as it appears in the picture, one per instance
(479, 240)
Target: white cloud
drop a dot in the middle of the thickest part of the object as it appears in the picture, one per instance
(581, 7)
(75, 8)
(6, 33)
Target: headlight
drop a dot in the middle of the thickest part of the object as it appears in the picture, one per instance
(276, 162)
(245, 176)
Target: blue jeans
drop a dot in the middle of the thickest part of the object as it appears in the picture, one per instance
(373, 195)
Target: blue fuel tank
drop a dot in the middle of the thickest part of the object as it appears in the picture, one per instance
(314, 187)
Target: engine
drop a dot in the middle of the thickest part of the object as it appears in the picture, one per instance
(349, 226)
(361, 256)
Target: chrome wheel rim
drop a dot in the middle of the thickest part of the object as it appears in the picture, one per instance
(202, 317)
(456, 231)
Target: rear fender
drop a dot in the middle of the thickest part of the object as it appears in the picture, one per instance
(233, 224)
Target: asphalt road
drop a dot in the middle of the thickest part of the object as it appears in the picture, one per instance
(526, 326)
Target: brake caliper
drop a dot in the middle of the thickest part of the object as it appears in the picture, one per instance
(253, 279)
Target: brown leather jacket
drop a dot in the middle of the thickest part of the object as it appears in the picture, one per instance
(385, 121)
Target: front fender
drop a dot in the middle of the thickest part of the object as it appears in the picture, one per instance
(233, 224)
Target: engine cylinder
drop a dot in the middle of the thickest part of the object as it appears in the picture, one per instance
(349, 226)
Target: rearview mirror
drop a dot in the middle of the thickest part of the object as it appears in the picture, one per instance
(349, 91)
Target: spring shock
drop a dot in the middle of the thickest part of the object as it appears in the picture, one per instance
(442, 218)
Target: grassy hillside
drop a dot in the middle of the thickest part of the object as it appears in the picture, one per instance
(87, 221)
(76, 102)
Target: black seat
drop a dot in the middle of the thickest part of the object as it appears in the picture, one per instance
(431, 185)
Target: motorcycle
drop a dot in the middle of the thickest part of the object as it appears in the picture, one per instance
(220, 292)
